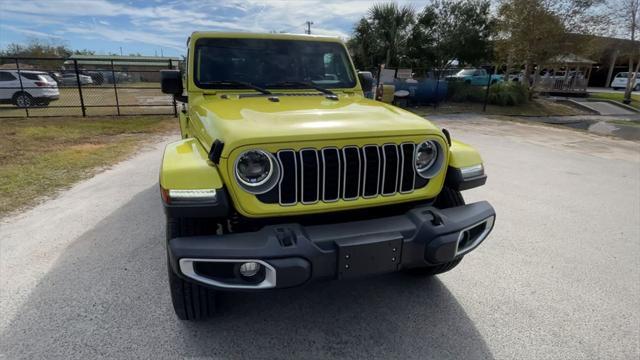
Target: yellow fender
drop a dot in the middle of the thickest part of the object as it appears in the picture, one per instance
(463, 155)
(186, 165)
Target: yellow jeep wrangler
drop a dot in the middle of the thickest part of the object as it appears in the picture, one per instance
(286, 173)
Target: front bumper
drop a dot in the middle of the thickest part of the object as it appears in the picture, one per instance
(292, 254)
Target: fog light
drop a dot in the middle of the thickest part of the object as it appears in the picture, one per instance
(249, 269)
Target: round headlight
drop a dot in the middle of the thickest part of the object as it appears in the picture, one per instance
(428, 159)
(257, 171)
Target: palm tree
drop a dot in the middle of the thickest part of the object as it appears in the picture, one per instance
(364, 45)
(392, 24)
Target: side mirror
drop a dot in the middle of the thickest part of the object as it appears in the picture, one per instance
(366, 81)
(171, 82)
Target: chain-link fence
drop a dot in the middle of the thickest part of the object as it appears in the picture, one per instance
(84, 86)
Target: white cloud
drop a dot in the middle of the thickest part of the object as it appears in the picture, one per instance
(169, 23)
(29, 32)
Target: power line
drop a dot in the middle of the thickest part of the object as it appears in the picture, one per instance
(309, 23)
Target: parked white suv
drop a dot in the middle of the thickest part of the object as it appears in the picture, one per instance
(620, 81)
(37, 88)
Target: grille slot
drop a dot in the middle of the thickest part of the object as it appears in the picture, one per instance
(288, 186)
(371, 182)
(331, 167)
(351, 173)
(391, 169)
(309, 176)
(330, 174)
(408, 172)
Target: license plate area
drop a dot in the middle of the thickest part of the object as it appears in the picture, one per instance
(368, 255)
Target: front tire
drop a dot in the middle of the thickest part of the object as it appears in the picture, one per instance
(447, 198)
(191, 301)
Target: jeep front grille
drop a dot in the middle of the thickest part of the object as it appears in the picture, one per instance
(348, 173)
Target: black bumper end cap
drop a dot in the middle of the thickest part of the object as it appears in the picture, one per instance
(457, 182)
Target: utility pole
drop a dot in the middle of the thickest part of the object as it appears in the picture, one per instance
(309, 23)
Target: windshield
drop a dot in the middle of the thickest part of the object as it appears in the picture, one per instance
(271, 63)
(466, 72)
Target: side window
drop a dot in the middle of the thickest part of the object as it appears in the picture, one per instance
(30, 76)
(5, 76)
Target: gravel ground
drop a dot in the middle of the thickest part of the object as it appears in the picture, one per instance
(84, 276)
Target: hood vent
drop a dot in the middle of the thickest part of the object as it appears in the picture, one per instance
(241, 96)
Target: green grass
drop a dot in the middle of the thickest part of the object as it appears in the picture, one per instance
(618, 96)
(536, 107)
(38, 157)
(634, 123)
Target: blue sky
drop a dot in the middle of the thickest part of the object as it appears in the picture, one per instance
(152, 26)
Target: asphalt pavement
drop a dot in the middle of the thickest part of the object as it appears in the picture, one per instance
(83, 276)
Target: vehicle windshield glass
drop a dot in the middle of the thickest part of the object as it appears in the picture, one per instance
(622, 75)
(271, 63)
(466, 72)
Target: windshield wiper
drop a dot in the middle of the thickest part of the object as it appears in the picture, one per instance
(309, 85)
(247, 85)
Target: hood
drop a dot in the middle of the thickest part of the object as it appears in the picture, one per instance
(239, 121)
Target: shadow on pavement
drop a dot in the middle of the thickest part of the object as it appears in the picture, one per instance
(107, 296)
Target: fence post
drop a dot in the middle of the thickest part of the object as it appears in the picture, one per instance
(75, 65)
(486, 93)
(115, 88)
(26, 108)
(175, 106)
(435, 103)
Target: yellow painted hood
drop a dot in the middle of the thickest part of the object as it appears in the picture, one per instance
(245, 120)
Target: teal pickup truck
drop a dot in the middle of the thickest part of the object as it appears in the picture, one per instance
(478, 77)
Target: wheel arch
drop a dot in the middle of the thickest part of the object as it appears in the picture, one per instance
(186, 166)
(463, 155)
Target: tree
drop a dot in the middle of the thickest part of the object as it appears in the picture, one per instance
(630, 10)
(36, 48)
(383, 33)
(529, 33)
(365, 46)
(450, 30)
(581, 16)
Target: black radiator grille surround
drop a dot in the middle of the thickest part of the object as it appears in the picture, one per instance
(330, 174)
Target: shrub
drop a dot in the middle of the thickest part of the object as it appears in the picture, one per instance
(463, 92)
(508, 94)
(503, 94)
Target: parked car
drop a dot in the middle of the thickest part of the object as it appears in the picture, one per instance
(70, 79)
(110, 77)
(478, 77)
(56, 76)
(620, 81)
(31, 88)
(289, 174)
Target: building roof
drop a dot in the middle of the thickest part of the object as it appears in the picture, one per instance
(570, 59)
(122, 60)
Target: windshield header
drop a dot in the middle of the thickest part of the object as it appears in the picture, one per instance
(221, 63)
